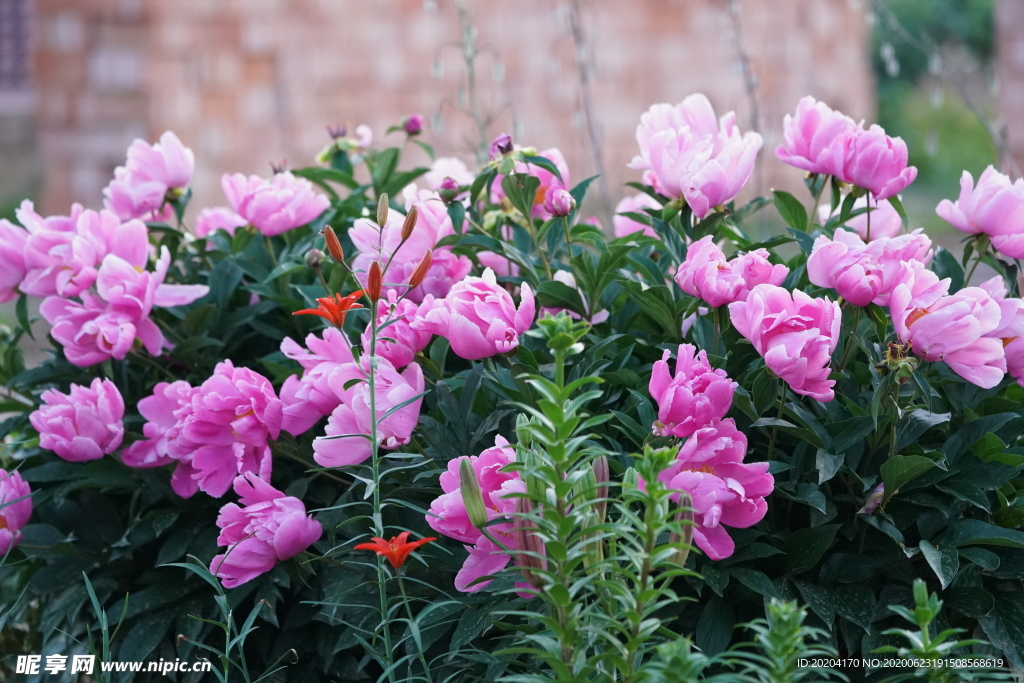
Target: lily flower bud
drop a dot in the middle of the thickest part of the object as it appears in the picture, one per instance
(333, 244)
(410, 223)
(374, 281)
(527, 543)
(600, 467)
(382, 209)
(471, 496)
(416, 279)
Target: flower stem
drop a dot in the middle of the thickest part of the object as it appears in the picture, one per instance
(408, 611)
(985, 243)
(540, 251)
(849, 341)
(775, 429)
(814, 209)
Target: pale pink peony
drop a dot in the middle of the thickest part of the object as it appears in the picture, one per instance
(691, 398)
(448, 516)
(885, 220)
(274, 206)
(129, 196)
(447, 167)
(83, 425)
(624, 225)
(1011, 327)
(140, 188)
(15, 509)
(12, 259)
(218, 218)
(794, 333)
(877, 163)
(399, 341)
(723, 490)
(270, 528)
(479, 318)
(815, 138)
(994, 207)
(347, 438)
(706, 273)
(310, 397)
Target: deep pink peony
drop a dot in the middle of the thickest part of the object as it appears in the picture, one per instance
(994, 207)
(951, 328)
(794, 333)
(448, 514)
(548, 180)
(864, 273)
(347, 438)
(12, 259)
(885, 220)
(707, 274)
(399, 341)
(83, 425)
(308, 398)
(218, 218)
(479, 318)
(1011, 327)
(165, 411)
(270, 528)
(724, 491)
(625, 225)
(877, 163)
(274, 206)
(693, 397)
(15, 509)
(815, 138)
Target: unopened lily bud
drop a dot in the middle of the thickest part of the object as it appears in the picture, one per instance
(524, 534)
(382, 209)
(472, 499)
(410, 223)
(333, 244)
(313, 257)
(374, 281)
(418, 275)
(600, 467)
(448, 190)
(558, 202)
(684, 517)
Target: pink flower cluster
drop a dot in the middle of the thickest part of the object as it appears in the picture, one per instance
(723, 490)
(83, 425)
(707, 274)
(380, 244)
(995, 207)
(15, 509)
(214, 432)
(864, 273)
(693, 397)
(273, 206)
(794, 333)
(820, 140)
(448, 516)
(402, 338)
(686, 153)
(270, 528)
(152, 175)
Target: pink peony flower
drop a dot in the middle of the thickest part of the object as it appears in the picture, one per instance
(15, 509)
(399, 342)
(794, 333)
(501, 266)
(167, 162)
(346, 440)
(432, 225)
(85, 425)
(274, 206)
(448, 167)
(723, 490)
(815, 138)
(624, 225)
(706, 274)
(12, 259)
(548, 180)
(500, 146)
(1011, 327)
(693, 397)
(271, 528)
(479, 318)
(685, 153)
(218, 218)
(129, 196)
(310, 397)
(165, 411)
(877, 162)
(864, 273)
(994, 207)
(448, 514)
(33, 222)
(951, 328)
(885, 220)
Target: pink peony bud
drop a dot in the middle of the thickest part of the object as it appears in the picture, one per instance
(274, 206)
(794, 333)
(413, 124)
(706, 274)
(15, 509)
(501, 146)
(877, 162)
(85, 425)
(547, 179)
(448, 190)
(271, 528)
(815, 138)
(448, 167)
(558, 202)
(994, 207)
(692, 398)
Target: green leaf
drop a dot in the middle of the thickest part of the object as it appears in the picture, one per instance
(968, 531)
(805, 547)
(915, 423)
(945, 562)
(900, 469)
(819, 599)
(791, 210)
(457, 212)
(21, 312)
(521, 190)
(756, 581)
(847, 433)
(472, 625)
(546, 164)
(945, 265)
(855, 603)
(966, 491)
(971, 602)
(715, 628)
(986, 559)
(384, 167)
(553, 294)
(898, 205)
(827, 464)
(988, 446)
(714, 577)
(322, 175)
(764, 392)
(970, 433)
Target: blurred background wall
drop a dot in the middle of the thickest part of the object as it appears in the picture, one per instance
(244, 82)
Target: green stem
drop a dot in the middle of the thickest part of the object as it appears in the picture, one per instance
(985, 243)
(867, 233)
(408, 611)
(560, 369)
(849, 341)
(268, 243)
(714, 331)
(814, 210)
(895, 420)
(540, 252)
(775, 429)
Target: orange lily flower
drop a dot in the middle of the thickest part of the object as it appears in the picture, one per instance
(334, 308)
(396, 550)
